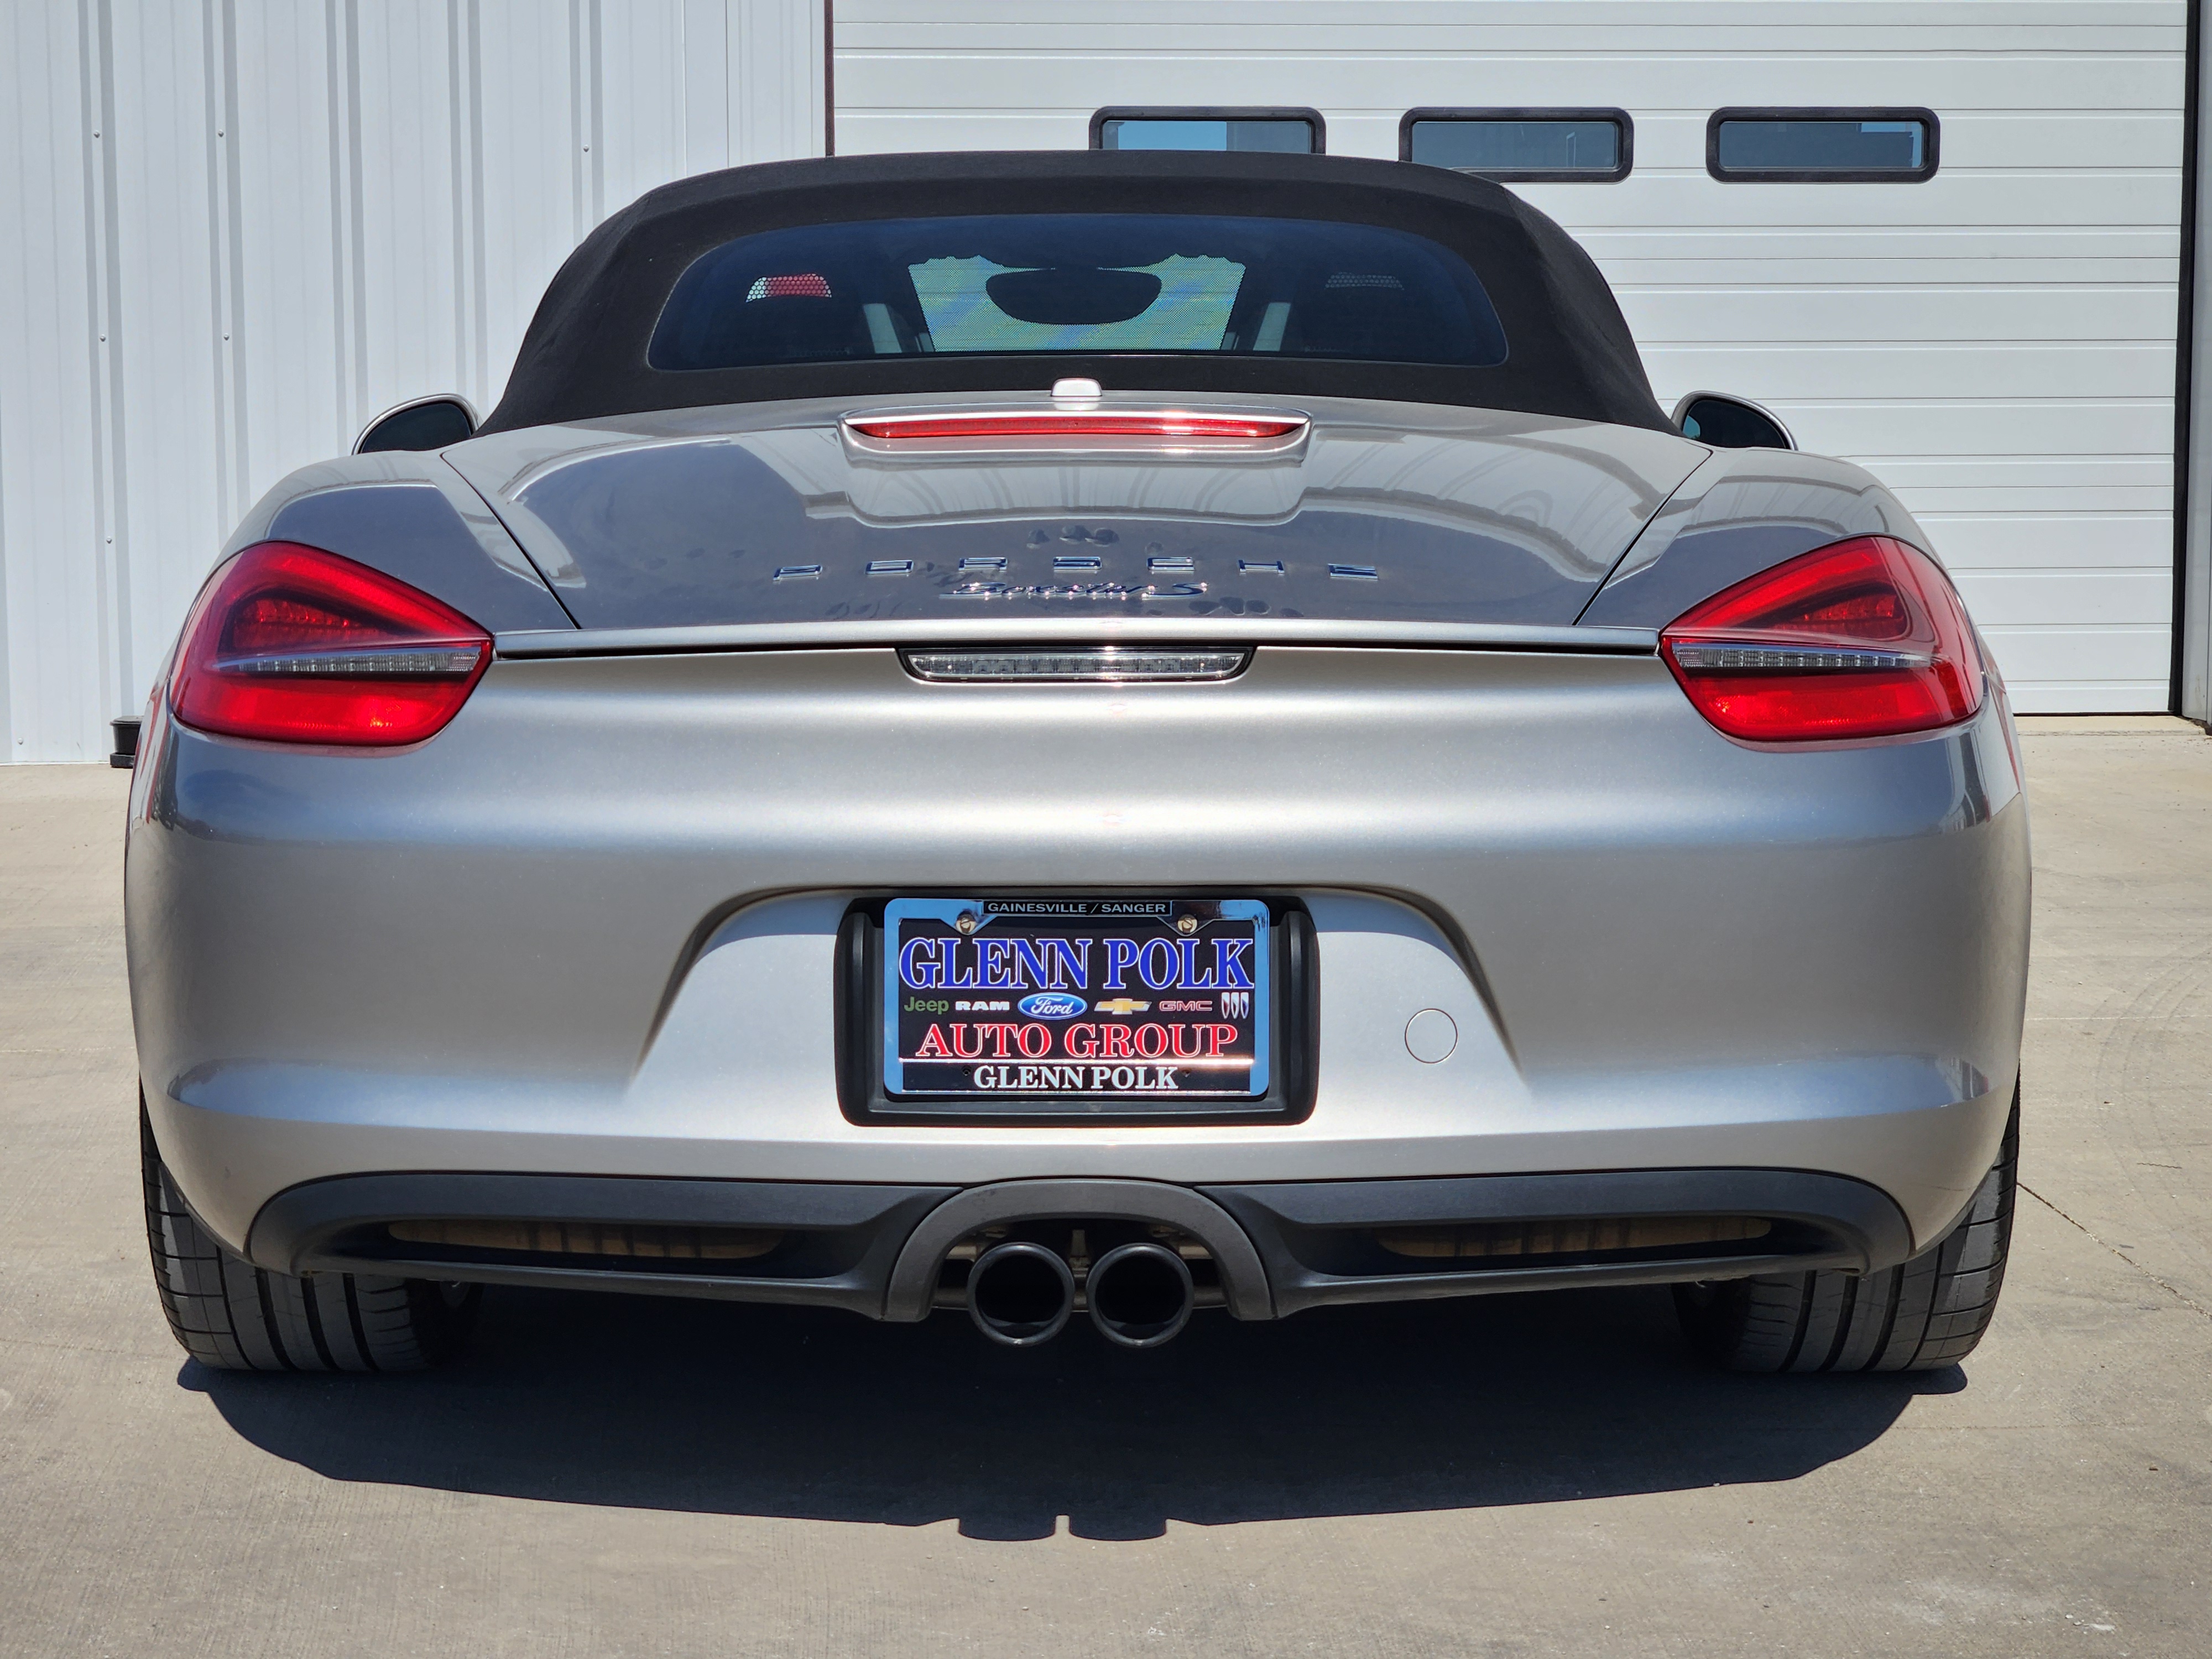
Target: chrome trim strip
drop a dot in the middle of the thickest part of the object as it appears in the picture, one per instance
(1001, 630)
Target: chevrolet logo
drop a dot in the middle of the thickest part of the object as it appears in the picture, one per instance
(1120, 1006)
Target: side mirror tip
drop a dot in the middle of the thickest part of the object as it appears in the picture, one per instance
(419, 423)
(1728, 422)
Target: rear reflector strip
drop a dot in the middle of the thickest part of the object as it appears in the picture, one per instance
(592, 1238)
(1522, 1239)
(1107, 664)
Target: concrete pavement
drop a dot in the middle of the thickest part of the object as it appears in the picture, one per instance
(1540, 1475)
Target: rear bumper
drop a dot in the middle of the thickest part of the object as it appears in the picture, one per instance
(1277, 1248)
(592, 929)
(240, 1167)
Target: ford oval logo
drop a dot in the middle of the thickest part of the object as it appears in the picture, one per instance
(1052, 1005)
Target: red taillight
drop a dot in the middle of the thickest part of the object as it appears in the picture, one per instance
(1864, 638)
(290, 644)
(1078, 424)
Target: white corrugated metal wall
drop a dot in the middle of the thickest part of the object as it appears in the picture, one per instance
(236, 228)
(1997, 344)
(232, 230)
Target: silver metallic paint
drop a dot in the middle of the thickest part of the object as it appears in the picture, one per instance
(411, 515)
(684, 518)
(1740, 512)
(589, 927)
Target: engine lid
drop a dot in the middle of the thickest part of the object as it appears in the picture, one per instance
(1350, 511)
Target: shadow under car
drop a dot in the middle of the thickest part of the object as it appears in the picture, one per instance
(725, 1408)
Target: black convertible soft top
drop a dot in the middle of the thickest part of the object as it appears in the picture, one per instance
(1571, 355)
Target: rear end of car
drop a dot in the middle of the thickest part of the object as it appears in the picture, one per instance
(1038, 850)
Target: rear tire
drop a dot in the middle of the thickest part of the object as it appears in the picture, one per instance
(1920, 1315)
(233, 1316)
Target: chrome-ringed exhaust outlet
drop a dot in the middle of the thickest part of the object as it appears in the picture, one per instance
(1020, 1294)
(1141, 1294)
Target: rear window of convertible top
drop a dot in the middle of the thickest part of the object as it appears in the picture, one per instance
(1088, 282)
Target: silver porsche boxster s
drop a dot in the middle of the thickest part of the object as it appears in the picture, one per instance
(1102, 733)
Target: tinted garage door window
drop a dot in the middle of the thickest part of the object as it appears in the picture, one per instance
(1291, 131)
(1815, 146)
(1040, 284)
(1566, 145)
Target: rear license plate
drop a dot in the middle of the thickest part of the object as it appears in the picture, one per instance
(1129, 998)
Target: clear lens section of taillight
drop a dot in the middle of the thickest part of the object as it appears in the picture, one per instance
(291, 644)
(1864, 638)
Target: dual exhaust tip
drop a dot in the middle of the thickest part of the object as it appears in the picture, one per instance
(1022, 1294)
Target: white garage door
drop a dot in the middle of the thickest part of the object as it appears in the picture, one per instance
(235, 232)
(1996, 345)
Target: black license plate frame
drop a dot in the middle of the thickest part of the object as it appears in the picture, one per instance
(877, 1083)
